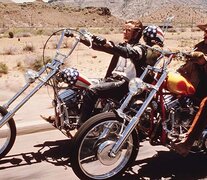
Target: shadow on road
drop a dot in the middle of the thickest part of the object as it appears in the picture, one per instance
(163, 165)
(169, 165)
(54, 152)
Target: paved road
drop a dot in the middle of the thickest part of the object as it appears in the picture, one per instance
(44, 155)
(27, 118)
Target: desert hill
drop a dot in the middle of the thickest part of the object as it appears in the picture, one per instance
(100, 13)
(185, 11)
(40, 14)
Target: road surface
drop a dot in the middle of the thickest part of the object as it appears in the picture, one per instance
(45, 155)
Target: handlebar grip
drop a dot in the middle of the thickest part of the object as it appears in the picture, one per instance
(68, 33)
(99, 40)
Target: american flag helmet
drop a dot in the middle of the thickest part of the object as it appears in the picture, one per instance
(153, 34)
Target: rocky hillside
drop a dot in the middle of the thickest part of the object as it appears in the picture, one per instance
(40, 14)
(100, 13)
(184, 11)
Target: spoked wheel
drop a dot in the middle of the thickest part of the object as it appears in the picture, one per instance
(7, 134)
(90, 152)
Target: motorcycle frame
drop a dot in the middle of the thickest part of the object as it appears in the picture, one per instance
(160, 95)
(155, 88)
(53, 68)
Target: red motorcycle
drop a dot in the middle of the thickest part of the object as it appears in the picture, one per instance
(108, 143)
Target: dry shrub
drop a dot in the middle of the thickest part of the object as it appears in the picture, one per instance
(35, 63)
(39, 32)
(20, 66)
(29, 47)
(11, 34)
(9, 51)
(24, 34)
(3, 68)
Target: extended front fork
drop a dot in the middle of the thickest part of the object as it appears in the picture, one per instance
(53, 70)
(135, 120)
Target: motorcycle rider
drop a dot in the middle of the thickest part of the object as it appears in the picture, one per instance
(200, 120)
(128, 61)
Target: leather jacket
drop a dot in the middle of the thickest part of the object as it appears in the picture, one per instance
(130, 52)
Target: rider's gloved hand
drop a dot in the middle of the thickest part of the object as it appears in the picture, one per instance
(197, 54)
(198, 57)
(99, 40)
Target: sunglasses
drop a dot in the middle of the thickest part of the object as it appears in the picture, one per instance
(130, 30)
(127, 30)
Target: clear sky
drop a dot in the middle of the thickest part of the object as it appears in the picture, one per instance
(21, 1)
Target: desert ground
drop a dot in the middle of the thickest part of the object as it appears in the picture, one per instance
(18, 53)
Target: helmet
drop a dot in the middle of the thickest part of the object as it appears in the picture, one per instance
(153, 35)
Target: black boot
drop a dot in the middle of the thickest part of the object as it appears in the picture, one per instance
(195, 131)
(87, 107)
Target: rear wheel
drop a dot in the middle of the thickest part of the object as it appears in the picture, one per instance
(92, 143)
(7, 134)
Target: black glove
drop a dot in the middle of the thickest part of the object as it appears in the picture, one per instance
(197, 54)
(69, 33)
(99, 40)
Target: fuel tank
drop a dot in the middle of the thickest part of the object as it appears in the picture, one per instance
(73, 77)
(83, 81)
(177, 84)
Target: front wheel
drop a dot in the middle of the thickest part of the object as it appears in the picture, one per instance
(7, 134)
(92, 143)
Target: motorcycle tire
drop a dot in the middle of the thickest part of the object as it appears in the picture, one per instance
(91, 146)
(7, 134)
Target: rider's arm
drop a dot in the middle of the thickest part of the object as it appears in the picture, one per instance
(131, 52)
(97, 46)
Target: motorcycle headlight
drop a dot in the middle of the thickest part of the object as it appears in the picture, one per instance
(136, 85)
(31, 75)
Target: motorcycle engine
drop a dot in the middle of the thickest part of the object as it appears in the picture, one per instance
(181, 112)
(69, 97)
(69, 106)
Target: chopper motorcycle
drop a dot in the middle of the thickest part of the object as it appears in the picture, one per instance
(68, 86)
(108, 143)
